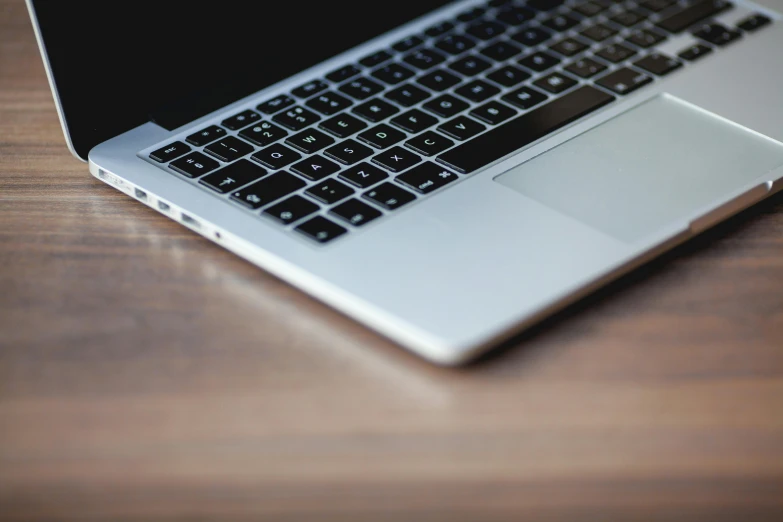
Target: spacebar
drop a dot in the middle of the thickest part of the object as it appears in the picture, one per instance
(523, 130)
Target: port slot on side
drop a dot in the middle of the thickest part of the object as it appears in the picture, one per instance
(163, 207)
(140, 195)
(190, 221)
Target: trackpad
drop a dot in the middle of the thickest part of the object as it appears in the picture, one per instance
(647, 168)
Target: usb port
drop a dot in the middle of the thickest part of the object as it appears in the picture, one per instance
(163, 207)
(190, 221)
(140, 194)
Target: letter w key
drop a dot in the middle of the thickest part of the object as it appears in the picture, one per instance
(310, 141)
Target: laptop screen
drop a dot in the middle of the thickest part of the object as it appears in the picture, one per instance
(115, 63)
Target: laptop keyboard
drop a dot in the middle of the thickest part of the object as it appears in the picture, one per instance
(370, 137)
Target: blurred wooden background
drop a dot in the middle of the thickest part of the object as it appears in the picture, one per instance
(146, 374)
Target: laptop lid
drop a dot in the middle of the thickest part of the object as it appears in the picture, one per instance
(116, 65)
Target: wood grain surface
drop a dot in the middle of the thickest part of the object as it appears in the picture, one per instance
(146, 374)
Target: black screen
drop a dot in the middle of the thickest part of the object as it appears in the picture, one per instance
(116, 63)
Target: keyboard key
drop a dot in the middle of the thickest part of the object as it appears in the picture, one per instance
(267, 190)
(381, 136)
(393, 73)
(296, 118)
(276, 156)
(376, 110)
(477, 91)
(426, 177)
(414, 121)
(590, 9)
(363, 175)
(241, 120)
(276, 104)
(310, 88)
(717, 34)
(694, 52)
(233, 176)
(408, 95)
(645, 38)
(291, 209)
(424, 59)
(343, 73)
(355, 212)
(329, 191)
(439, 80)
(445, 106)
(485, 29)
(455, 44)
(315, 167)
(349, 152)
(568, 47)
(439, 29)
(309, 141)
(508, 76)
(532, 36)
(657, 5)
(598, 32)
(616, 53)
(471, 14)
(194, 165)
(501, 51)
(493, 112)
(525, 98)
(343, 125)
(555, 83)
(658, 64)
(753, 22)
(205, 136)
(561, 22)
(396, 159)
(228, 149)
(547, 5)
(539, 61)
(693, 14)
(388, 196)
(170, 152)
(263, 134)
(321, 229)
(361, 88)
(628, 18)
(429, 143)
(470, 65)
(329, 103)
(461, 128)
(407, 44)
(624, 81)
(375, 58)
(586, 67)
(513, 15)
(524, 129)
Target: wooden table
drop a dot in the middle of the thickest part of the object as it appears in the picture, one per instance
(146, 374)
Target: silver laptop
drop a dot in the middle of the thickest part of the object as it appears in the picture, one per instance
(447, 173)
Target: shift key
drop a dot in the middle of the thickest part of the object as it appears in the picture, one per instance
(268, 190)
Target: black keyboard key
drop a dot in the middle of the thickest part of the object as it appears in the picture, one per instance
(241, 120)
(407, 44)
(568, 47)
(485, 29)
(461, 128)
(414, 121)
(355, 212)
(546, 5)
(361, 88)
(388, 196)
(263, 134)
(694, 52)
(477, 91)
(424, 59)
(439, 80)
(717, 34)
(381, 136)
(624, 81)
(693, 14)
(753, 22)
(277, 103)
(228, 149)
(205, 136)
(501, 51)
(657, 5)
(498, 3)
(291, 209)
(267, 190)
(429, 143)
(598, 32)
(343, 73)
(525, 97)
(375, 58)
(321, 229)
(532, 36)
(343, 125)
(539, 61)
(590, 9)
(628, 18)
(508, 76)
(471, 14)
(586, 67)
(407, 95)
(376, 110)
(658, 64)
(561, 22)
(455, 43)
(645, 38)
(310, 88)
(493, 112)
(439, 29)
(396, 159)
(296, 118)
(426, 177)
(233, 176)
(393, 73)
(349, 152)
(616, 53)
(470, 65)
(329, 191)
(446, 106)
(170, 152)
(309, 141)
(363, 175)
(514, 15)
(524, 129)
(276, 156)
(555, 82)
(194, 165)
(329, 103)
(315, 167)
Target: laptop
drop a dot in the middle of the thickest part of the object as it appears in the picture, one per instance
(446, 173)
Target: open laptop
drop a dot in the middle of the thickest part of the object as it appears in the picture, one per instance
(447, 173)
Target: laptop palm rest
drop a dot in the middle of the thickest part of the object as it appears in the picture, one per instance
(647, 168)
